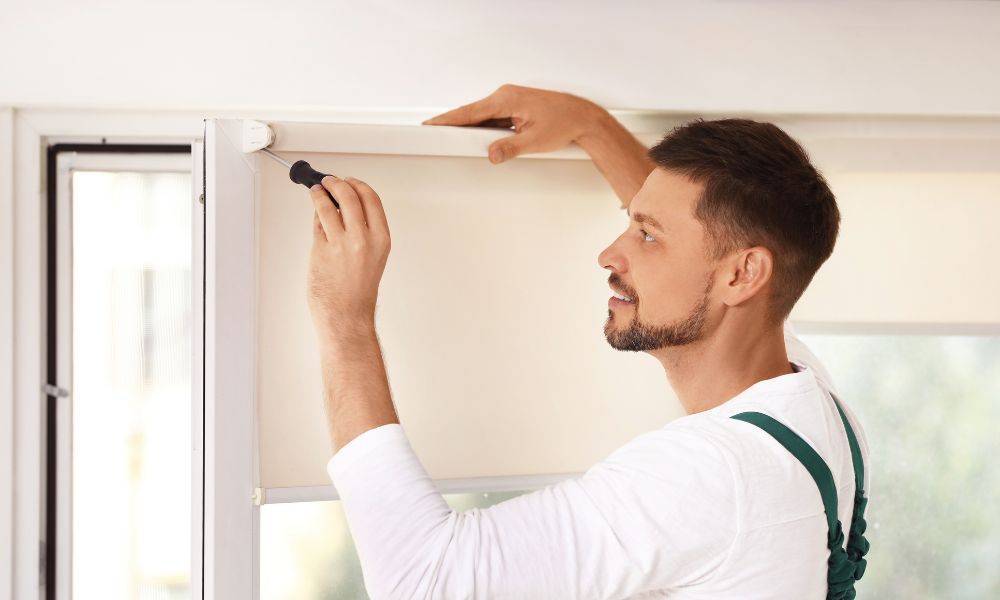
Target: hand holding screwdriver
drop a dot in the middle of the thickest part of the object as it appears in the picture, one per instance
(302, 173)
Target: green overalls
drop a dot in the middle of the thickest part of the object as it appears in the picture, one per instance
(844, 567)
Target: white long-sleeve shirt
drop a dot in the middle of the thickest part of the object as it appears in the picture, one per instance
(703, 507)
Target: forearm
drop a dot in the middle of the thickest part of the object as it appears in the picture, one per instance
(356, 394)
(618, 155)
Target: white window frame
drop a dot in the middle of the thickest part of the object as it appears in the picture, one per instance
(230, 477)
(33, 131)
(22, 293)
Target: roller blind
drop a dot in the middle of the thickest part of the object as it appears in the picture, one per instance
(490, 314)
(492, 306)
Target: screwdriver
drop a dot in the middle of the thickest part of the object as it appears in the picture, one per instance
(302, 172)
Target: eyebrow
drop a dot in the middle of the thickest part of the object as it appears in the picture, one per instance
(644, 219)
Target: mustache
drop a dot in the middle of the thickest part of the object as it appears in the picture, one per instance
(615, 281)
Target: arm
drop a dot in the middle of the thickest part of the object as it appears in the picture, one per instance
(356, 394)
(638, 520)
(545, 120)
(349, 252)
(618, 155)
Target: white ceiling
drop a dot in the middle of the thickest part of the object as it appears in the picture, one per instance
(845, 57)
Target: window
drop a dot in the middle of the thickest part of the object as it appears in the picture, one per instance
(929, 406)
(123, 526)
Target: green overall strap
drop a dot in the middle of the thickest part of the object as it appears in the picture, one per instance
(852, 440)
(857, 544)
(809, 458)
(844, 567)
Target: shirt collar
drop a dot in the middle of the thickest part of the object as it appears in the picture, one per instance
(802, 381)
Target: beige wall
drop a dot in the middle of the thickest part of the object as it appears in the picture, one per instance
(917, 247)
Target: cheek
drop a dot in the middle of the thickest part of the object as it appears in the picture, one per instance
(671, 290)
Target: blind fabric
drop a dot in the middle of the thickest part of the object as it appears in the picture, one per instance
(490, 315)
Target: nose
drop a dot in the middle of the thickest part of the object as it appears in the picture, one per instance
(611, 258)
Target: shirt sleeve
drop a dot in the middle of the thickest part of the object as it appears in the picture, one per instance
(659, 512)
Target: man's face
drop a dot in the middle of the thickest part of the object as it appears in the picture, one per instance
(662, 265)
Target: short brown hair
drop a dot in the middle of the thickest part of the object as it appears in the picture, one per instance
(760, 189)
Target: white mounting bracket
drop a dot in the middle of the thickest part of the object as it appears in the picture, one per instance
(256, 136)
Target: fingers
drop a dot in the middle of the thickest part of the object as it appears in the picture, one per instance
(372, 204)
(351, 212)
(507, 148)
(360, 209)
(471, 114)
(326, 212)
(318, 234)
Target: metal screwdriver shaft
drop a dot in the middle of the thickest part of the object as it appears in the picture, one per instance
(276, 157)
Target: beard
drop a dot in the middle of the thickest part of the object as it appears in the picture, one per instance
(642, 337)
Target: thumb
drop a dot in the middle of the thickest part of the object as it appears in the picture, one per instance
(509, 147)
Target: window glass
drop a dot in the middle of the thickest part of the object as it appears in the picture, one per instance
(929, 406)
(306, 550)
(131, 386)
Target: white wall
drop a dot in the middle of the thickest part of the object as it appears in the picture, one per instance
(903, 57)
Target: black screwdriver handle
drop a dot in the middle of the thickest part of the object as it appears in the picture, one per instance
(303, 173)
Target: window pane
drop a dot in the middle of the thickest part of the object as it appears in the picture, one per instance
(131, 386)
(929, 405)
(306, 550)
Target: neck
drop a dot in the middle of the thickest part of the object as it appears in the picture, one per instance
(736, 354)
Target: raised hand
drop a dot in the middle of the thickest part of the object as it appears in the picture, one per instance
(543, 120)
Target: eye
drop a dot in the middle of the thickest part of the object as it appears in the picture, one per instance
(647, 235)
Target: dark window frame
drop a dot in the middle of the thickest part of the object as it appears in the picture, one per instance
(51, 315)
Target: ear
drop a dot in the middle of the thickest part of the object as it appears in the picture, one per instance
(749, 273)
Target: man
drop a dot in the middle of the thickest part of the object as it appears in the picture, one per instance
(728, 223)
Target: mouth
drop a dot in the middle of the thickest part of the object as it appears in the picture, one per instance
(618, 299)
(616, 294)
